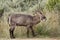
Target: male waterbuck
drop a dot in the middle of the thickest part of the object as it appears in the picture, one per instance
(24, 20)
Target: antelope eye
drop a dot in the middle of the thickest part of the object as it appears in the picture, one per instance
(33, 14)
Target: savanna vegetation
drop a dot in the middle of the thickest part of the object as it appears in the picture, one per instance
(48, 28)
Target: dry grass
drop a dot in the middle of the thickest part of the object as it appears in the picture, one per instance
(49, 28)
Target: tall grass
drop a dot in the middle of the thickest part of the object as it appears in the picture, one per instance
(49, 28)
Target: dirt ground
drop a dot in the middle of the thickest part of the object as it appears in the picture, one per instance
(34, 39)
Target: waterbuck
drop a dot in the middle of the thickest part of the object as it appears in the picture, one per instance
(24, 20)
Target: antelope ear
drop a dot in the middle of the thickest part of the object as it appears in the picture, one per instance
(37, 13)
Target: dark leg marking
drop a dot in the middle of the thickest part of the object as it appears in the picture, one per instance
(32, 31)
(11, 30)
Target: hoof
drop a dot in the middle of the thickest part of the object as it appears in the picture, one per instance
(12, 37)
(34, 35)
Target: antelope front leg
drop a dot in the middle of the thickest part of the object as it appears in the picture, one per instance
(32, 31)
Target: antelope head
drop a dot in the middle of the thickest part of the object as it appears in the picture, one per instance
(40, 15)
